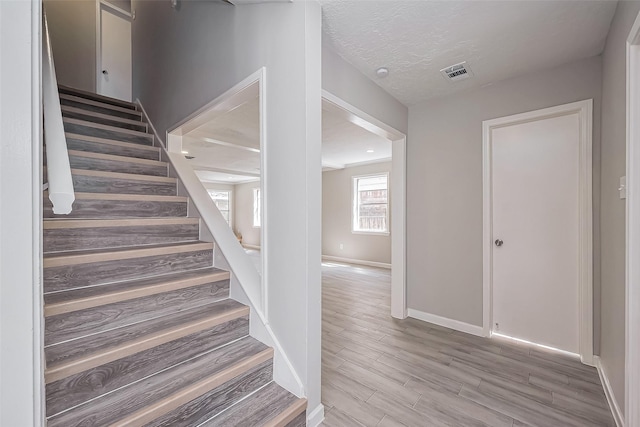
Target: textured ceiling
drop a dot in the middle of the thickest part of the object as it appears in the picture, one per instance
(226, 148)
(498, 39)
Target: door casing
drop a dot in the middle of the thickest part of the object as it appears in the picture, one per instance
(584, 109)
(632, 351)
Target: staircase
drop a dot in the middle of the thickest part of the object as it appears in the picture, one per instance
(139, 326)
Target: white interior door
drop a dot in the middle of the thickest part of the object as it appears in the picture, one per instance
(535, 221)
(115, 55)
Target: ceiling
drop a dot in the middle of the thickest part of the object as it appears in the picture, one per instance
(497, 39)
(226, 148)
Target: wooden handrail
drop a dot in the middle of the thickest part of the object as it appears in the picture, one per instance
(59, 178)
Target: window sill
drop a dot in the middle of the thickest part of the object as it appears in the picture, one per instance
(371, 233)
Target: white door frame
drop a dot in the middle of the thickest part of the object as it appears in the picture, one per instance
(584, 109)
(100, 5)
(398, 193)
(632, 369)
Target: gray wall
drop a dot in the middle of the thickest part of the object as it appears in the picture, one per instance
(612, 228)
(342, 80)
(243, 214)
(186, 57)
(337, 202)
(444, 182)
(72, 27)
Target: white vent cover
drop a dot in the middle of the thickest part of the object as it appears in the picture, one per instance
(457, 72)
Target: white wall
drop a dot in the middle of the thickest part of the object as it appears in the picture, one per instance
(444, 183)
(243, 214)
(185, 58)
(612, 347)
(337, 207)
(21, 375)
(347, 83)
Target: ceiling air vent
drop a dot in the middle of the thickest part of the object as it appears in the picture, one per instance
(457, 72)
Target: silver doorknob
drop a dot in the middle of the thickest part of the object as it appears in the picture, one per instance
(499, 242)
(105, 72)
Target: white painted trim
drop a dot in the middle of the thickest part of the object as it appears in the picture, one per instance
(608, 392)
(98, 87)
(632, 309)
(446, 322)
(157, 142)
(397, 189)
(116, 8)
(315, 417)
(254, 247)
(356, 261)
(584, 109)
(22, 388)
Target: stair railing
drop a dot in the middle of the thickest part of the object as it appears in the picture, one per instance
(59, 178)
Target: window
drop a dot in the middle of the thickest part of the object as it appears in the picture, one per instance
(370, 204)
(222, 199)
(257, 207)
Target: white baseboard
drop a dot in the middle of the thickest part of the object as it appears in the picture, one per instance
(356, 261)
(618, 416)
(316, 416)
(446, 322)
(247, 246)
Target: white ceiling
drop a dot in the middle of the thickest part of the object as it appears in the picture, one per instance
(498, 39)
(227, 147)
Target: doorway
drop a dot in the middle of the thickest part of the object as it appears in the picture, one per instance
(538, 228)
(114, 72)
(397, 188)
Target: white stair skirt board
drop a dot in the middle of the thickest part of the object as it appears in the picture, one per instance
(446, 322)
(315, 418)
(608, 392)
(356, 261)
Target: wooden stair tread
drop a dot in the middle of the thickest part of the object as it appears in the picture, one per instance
(81, 298)
(95, 144)
(88, 113)
(135, 197)
(114, 129)
(135, 405)
(124, 176)
(58, 259)
(96, 97)
(115, 158)
(70, 357)
(99, 140)
(60, 223)
(270, 406)
(95, 103)
(76, 389)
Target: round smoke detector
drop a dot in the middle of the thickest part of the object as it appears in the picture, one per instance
(382, 72)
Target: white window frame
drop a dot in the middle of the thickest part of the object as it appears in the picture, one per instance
(257, 196)
(209, 190)
(354, 205)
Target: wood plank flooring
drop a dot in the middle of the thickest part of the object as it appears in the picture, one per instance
(378, 371)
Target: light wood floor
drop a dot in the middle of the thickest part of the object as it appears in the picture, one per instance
(377, 371)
